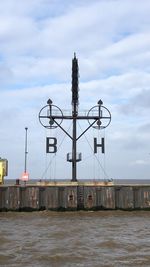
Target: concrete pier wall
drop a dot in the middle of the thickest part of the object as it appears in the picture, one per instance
(77, 197)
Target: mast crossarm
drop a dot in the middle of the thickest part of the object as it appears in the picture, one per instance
(86, 130)
(80, 134)
(77, 117)
(62, 129)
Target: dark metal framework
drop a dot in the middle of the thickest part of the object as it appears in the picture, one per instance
(51, 116)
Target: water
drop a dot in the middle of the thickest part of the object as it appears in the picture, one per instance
(116, 181)
(103, 238)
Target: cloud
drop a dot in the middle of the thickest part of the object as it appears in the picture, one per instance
(140, 162)
(37, 42)
(138, 105)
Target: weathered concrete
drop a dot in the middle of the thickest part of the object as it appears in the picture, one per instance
(74, 196)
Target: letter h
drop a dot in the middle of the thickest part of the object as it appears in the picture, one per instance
(102, 145)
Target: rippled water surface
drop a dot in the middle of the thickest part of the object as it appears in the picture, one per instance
(104, 238)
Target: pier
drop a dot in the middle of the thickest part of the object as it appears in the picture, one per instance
(73, 196)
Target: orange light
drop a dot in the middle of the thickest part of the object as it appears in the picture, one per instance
(25, 176)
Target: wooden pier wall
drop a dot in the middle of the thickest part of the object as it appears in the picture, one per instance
(34, 197)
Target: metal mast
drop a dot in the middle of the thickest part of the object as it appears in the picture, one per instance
(51, 117)
(75, 103)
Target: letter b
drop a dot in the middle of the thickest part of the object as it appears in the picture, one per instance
(51, 147)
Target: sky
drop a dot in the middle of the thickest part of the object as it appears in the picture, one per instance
(111, 39)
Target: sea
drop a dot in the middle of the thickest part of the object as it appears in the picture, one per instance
(75, 239)
(115, 181)
(69, 239)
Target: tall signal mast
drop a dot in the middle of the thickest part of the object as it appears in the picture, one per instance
(51, 116)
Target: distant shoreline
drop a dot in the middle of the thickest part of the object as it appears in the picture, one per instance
(115, 181)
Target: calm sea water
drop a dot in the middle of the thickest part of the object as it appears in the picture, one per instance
(103, 238)
(116, 181)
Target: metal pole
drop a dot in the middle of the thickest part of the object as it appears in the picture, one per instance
(74, 150)
(26, 152)
(75, 103)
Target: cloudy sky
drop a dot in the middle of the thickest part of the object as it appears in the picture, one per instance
(111, 39)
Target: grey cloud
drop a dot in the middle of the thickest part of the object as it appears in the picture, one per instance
(137, 105)
(6, 74)
(145, 128)
(142, 100)
(135, 143)
(111, 39)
